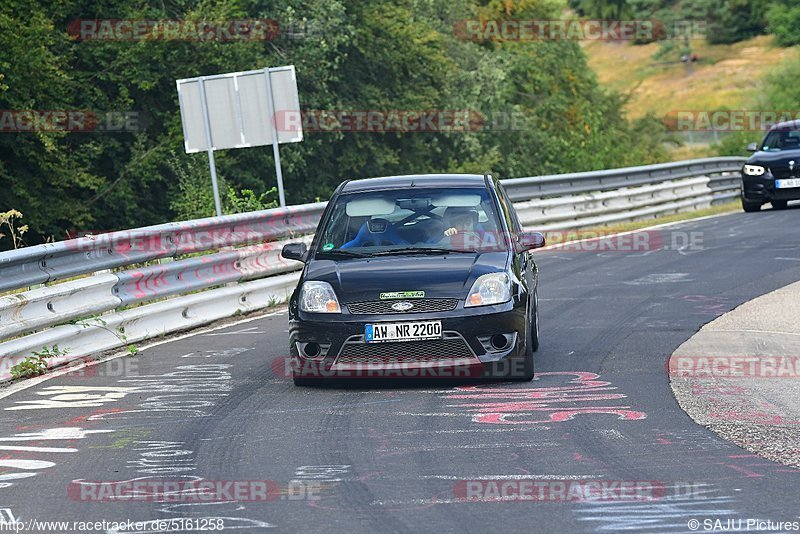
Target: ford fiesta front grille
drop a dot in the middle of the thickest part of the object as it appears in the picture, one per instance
(451, 347)
(401, 306)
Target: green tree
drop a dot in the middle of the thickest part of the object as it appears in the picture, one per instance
(784, 22)
(377, 55)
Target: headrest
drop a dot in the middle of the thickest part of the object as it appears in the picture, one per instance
(377, 226)
(462, 217)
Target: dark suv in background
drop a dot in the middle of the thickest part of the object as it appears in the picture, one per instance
(772, 173)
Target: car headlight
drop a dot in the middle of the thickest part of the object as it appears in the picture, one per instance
(492, 288)
(318, 297)
(754, 170)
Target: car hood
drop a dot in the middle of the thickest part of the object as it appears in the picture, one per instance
(775, 159)
(439, 276)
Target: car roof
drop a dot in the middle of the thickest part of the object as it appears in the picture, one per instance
(414, 180)
(787, 125)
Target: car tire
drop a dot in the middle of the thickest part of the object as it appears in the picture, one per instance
(527, 359)
(750, 207)
(531, 345)
(304, 381)
(780, 204)
(535, 322)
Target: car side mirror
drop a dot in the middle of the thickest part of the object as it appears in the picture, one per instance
(295, 251)
(752, 147)
(530, 240)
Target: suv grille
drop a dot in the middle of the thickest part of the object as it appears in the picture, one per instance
(385, 306)
(784, 172)
(452, 346)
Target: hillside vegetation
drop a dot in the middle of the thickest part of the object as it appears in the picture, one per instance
(725, 76)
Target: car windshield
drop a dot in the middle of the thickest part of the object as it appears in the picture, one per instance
(422, 221)
(782, 139)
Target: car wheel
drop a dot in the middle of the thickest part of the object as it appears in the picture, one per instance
(750, 207)
(303, 381)
(780, 204)
(527, 360)
(531, 346)
(535, 322)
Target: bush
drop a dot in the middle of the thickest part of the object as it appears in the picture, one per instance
(784, 22)
(736, 143)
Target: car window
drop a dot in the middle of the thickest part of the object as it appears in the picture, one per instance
(508, 207)
(453, 219)
(781, 139)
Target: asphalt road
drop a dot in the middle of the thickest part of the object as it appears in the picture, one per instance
(380, 458)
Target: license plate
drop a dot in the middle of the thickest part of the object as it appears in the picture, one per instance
(786, 183)
(408, 331)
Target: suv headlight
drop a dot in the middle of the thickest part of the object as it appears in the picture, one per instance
(318, 297)
(754, 170)
(492, 288)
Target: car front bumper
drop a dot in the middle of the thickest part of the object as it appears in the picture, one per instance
(464, 349)
(762, 188)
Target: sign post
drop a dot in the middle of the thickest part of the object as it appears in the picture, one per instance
(274, 126)
(212, 165)
(240, 110)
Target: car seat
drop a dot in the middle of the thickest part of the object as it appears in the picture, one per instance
(376, 232)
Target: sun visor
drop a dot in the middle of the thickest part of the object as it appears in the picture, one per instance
(457, 200)
(367, 207)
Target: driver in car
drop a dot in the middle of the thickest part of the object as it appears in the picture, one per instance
(460, 220)
(462, 229)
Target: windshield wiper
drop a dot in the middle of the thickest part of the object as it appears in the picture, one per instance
(343, 253)
(414, 250)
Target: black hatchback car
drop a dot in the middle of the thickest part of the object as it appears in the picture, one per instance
(416, 276)
(772, 173)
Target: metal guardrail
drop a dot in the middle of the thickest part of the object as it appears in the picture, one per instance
(520, 189)
(69, 313)
(54, 261)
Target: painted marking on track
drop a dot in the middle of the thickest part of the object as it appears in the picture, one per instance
(669, 514)
(225, 353)
(162, 457)
(327, 473)
(186, 391)
(251, 330)
(50, 434)
(660, 278)
(529, 405)
(55, 373)
(74, 397)
(36, 449)
(26, 464)
(55, 434)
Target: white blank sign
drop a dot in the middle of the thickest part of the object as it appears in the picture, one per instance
(238, 109)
